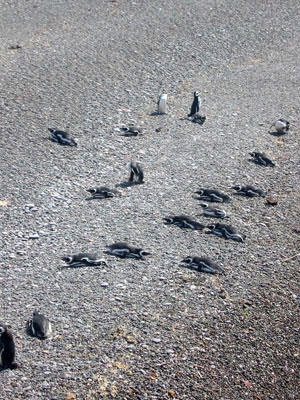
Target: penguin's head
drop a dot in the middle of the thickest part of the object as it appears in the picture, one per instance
(204, 205)
(211, 226)
(241, 238)
(196, 94)
(252, 154)
(168, 220)
(35, 312)
(144, 253)
(92, 191)
(236, 187)
(67, 259)
(52, 130)
(187, 260)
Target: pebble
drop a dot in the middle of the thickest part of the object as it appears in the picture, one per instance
(103, 284)
(34, 236)
(156, 340)
(29, 205)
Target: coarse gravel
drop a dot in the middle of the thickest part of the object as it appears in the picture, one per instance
(149, 329)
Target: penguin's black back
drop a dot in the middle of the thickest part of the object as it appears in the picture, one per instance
(7, 349)
(195, 105)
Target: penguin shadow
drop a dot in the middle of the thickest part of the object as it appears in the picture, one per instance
(195, 119)
(204, 273)
(276, 133)
(127, 184)
(130, 134)
(157, 114)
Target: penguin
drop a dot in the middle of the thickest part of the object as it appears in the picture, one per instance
(203, 264)
(226, 231)
(131, 130)
(282, 126)
(102, 192)
(248, 191)
(61, 137)
(136, 173)
(162, 104)
(7, 348)
(124, 250)
(195, 105)
(83, 260)
(212, 195)
(182, 221)
(261, 159)
(39, 326)
(213, 212)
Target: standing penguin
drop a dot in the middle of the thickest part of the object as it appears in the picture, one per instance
(162, 104)
(39, 326)
(136, 173)
(7, 348)
(196, 105)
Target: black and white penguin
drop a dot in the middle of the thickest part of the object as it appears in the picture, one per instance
(282, 126)
(213, 212)
(195, 105)
(124, 250)
(83, 260)
(7, 348)
(226, 231)
(162, 104)
(61, 137)
(261, 159)
(182, 221)
(102, 192)
(203, 264)
(136, 172)
(39, 326)
(131, 130)
(248, 191)
(212, 195)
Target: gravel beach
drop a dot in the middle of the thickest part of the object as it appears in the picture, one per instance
(149, 329)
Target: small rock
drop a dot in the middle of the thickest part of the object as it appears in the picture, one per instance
(272, 201)
(103, 284)
(34, 236)
(156, 340)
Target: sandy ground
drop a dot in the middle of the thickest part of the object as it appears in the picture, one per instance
(149, 329)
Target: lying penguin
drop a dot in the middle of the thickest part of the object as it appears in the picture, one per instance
(102, 192)
(226, 231)
(83, 260)
(281, 126)
(213, 212)
(248, 191)
(124, 250)
(131, 130)
(203, 264)
(261, 159)
(183, 221)
(39, 326)
(61, 137)
(212, 195)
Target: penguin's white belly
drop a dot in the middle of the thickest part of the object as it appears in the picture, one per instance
(162, 106)
(279, 125)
